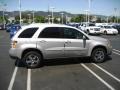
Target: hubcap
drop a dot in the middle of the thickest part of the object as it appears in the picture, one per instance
(32, 60)
(99, 55)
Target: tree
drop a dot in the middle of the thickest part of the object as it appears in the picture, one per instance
(98, 20)
(1, 19)
(78, 18)
(39, 19)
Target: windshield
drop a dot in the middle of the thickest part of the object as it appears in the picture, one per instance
(91, 24)
(107, 27)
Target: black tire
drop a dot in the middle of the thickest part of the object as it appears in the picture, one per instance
(32, 59)
(88, 32)
(105, 32)
(98, 55)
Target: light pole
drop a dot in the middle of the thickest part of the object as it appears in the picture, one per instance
(62, 17)
(86, 16)
(89, 7)
(115, 10)
(66, 18)
(52, 14)
(49, 18)
(29, 16)
(6, 18)
(3, 12)
(20, 11)
(33, 13)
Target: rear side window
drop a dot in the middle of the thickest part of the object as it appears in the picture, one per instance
(50, 32)
(28, 33)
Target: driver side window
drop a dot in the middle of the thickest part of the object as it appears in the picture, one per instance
(72, 34)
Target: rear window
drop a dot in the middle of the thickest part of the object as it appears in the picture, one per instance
(28, 33)
(50, 32)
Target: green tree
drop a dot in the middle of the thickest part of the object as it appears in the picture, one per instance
(39, 19)
(98, 20)
(1, 19)
(78, 18)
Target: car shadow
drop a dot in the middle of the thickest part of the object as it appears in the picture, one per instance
(67, 61)
(70, 61)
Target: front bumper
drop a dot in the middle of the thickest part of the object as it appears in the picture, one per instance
(95, 32)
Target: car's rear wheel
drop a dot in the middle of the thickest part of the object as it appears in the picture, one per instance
(98, 55)
(32, 59)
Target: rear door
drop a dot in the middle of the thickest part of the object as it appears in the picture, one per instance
(51, 43)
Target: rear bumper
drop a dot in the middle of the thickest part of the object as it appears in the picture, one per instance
(14, 54)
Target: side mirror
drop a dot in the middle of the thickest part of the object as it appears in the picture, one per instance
(84, 41)
(84, 37)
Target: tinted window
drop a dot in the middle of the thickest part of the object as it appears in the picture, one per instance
(72, 33)
(28, 33)
(50, 32)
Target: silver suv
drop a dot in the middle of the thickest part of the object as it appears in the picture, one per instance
(36, 42)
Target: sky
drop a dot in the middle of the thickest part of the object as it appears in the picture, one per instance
(103, 7)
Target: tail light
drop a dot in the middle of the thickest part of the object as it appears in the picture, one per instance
(14, 44)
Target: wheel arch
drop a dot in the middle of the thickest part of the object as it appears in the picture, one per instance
(31, 49)
(99, 46)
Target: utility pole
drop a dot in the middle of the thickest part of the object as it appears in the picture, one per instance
(20, 11)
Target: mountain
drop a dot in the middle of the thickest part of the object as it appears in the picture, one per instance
(37, 13)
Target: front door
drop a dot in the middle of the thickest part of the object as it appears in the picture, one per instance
(74, 44)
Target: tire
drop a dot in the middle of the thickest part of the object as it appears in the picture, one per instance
(98, 55)
(32, 59)
(88, 32)
(105, 32)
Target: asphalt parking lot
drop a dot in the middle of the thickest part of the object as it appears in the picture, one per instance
(67, 74)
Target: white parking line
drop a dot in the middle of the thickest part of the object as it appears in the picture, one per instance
(98, 77)
(116, 50)
(105, 71)
(115, 53)
(12, 79)
(29, 80)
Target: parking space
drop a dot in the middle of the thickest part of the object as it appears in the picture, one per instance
(62, 74)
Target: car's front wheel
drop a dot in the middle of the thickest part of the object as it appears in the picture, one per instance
(98, 55)
(105, 32)
(32, 59)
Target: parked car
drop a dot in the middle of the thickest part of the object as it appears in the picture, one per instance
(1, 27)
(8, 27)
(14, 29)
(117, 27)
(107, 29)
(36, 42)
(74, 24)
(90, 28)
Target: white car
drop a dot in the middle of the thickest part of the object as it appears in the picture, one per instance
(107, 29)
(90, 28)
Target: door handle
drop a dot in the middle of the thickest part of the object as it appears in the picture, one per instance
(42, 41)
(68, 42)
